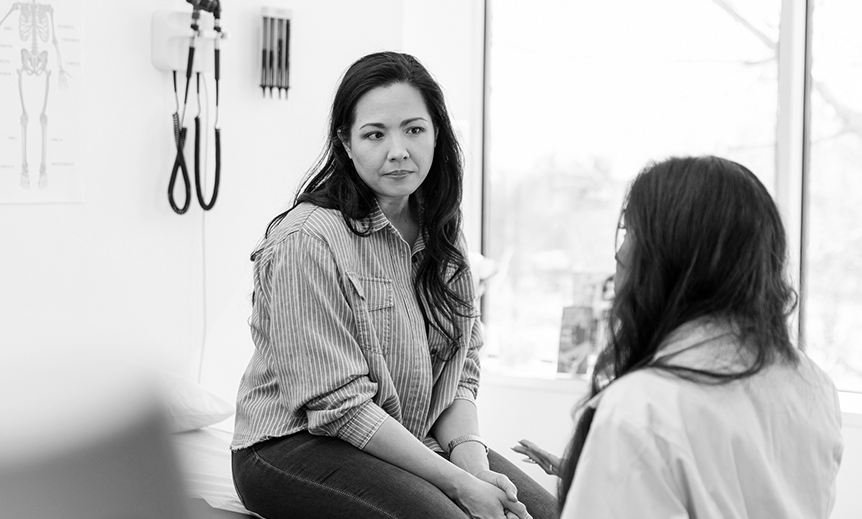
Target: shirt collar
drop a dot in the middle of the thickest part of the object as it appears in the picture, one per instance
(420, 243)
(376, 220)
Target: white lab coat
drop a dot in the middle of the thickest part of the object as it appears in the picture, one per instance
(662, 447)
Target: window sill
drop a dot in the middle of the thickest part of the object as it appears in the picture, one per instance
(851, 403)
(562, 384)
(851, 408)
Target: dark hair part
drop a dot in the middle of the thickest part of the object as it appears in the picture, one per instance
(334, 183)
(708, 243)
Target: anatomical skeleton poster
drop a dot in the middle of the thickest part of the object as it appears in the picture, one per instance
(41, 80)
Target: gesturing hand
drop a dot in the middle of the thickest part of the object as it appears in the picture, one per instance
(535, 454)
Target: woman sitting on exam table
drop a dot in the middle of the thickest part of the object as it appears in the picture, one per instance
(700, 405)
(359, 399)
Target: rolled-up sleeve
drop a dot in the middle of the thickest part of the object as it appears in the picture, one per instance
(321, 369)
(468, 384)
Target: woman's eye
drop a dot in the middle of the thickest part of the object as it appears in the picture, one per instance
(415, 130)
(374, 136)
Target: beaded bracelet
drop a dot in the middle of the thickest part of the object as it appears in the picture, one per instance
(467, 438)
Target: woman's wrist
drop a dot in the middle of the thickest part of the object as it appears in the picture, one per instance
(470, 456)
(464, 438)
(455, 483)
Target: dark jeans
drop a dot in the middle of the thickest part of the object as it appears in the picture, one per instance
(306, 476)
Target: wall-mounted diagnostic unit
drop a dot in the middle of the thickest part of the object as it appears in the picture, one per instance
(190, 41)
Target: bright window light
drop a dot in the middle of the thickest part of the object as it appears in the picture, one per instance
(833, 212)
(582, 95)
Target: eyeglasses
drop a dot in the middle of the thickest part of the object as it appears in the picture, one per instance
(620, 235)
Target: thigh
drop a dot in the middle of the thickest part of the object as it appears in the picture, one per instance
(540, 503)
(302, 475)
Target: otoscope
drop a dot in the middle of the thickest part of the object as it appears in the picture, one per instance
(214, 7)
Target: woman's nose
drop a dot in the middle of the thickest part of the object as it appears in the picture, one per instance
(398, 150)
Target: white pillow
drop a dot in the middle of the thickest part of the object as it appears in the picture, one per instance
(190, 406)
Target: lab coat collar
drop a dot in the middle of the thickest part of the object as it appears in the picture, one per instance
(692, 334)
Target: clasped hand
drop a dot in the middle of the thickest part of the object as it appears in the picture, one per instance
(492, 495)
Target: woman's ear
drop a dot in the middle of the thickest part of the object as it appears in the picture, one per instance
(346, 143)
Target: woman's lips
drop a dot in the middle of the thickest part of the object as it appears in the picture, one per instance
(397, 174)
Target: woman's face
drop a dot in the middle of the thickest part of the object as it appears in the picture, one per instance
(391, 142)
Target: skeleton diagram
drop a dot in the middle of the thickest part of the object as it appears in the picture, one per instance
(35, 22)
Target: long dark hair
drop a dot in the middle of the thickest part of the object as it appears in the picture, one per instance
(708, 242)
(333, 183)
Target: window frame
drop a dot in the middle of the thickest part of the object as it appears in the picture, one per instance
(792, 163)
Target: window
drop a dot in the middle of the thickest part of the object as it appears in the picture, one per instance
(581, 96)
(832, 303)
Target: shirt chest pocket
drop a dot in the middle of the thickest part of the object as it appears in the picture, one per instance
(373, 308)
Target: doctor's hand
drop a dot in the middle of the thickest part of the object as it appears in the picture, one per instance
(535, 454)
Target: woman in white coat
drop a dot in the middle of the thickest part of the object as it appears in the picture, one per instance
(700, 405)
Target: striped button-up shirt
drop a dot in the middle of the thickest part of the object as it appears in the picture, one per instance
(340, 340)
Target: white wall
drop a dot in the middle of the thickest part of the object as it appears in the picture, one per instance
(849, 502)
